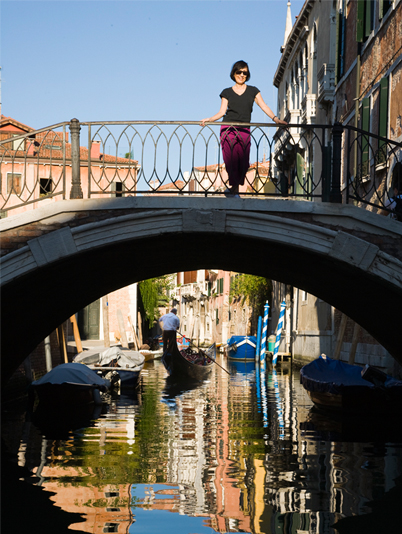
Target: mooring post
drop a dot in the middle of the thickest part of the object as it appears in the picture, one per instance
(336, 195)
(76, 190)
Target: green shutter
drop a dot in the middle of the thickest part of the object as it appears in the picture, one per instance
(383, 121)
(338, 30)
(383, 8)
(383, 118)
(326, 164)
(365, 125)
(299, 176)
(360, 21)
(369, 17)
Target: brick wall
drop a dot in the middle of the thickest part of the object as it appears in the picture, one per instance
(35, 364)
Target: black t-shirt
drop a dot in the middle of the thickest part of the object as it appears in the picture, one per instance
(239, 106)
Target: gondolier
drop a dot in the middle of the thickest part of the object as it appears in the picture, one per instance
(170, 323)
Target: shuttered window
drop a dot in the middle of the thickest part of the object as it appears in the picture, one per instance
(340, 43)
(365, 125)
(384, 6)
(364, 19)
(14, 183)
(383, 120)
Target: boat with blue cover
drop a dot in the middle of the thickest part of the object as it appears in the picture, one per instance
(70, 384)
(339, 386)
(242, 348)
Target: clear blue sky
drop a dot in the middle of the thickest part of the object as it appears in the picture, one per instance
(134, 60)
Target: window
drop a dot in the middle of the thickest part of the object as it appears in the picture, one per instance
(14, 183)
(45, 186)
(117, 188)
(364, 19)
(111, 527)
(365, 125)
(384, 8)
(340, 42)
(383, 113)
(217, 316)
(381, 154)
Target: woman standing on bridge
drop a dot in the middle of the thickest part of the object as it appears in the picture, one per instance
(236, 106)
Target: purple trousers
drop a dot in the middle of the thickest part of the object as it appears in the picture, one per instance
(235, 143)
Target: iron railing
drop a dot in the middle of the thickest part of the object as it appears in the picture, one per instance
(94, 159)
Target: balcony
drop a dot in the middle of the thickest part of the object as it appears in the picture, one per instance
(191, 291)
(309, 109)
(326, 84)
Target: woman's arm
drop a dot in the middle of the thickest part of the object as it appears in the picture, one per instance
(267, 110)
(219, 115)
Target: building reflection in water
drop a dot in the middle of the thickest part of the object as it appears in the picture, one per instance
(234, 458)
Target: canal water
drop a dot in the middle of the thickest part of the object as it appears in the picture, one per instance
(244, 452)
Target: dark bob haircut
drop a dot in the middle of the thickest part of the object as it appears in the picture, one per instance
(237, 66)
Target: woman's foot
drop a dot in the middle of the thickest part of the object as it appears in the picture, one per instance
(232, 192)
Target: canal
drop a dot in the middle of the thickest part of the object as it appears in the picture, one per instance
(244, 452)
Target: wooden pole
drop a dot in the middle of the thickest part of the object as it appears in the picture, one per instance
(341, 335)
(48, 354)
(62, 343)
(135, 340)
(352, 353)
(139, 329)
(122, 327)
(105, 314)
(76, 333)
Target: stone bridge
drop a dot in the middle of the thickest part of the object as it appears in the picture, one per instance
(60, 257)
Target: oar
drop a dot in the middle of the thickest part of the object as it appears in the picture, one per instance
(200, 350)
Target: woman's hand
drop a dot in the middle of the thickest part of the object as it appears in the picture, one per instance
(219, 115)
(279, 121)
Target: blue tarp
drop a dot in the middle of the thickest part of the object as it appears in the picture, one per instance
(327, 375)
(71, 373)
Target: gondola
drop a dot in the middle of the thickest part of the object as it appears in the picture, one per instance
(122, 367)
(189, 363)
(69, 385)
(338, 386)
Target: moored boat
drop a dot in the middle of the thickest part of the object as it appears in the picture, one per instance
(339, 386)
(69, 385)
(242, 348)
(122, 367)
(189, 363)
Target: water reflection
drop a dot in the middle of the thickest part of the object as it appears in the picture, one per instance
(238, 453)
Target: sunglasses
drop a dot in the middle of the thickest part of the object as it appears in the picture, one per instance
(242, 72)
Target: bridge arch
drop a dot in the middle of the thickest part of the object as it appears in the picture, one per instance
(345, 255)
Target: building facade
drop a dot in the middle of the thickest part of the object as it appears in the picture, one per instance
(341, 61)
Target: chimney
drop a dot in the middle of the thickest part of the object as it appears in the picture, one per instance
(95, 150)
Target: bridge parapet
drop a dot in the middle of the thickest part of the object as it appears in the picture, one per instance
(142, 158)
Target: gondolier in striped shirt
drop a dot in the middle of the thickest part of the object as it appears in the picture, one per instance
(170, 323)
